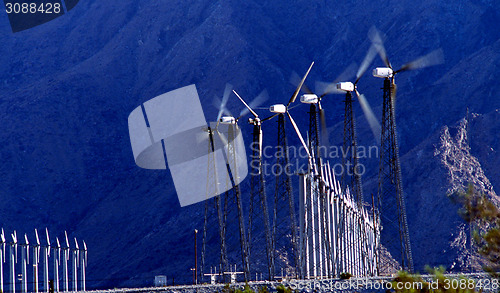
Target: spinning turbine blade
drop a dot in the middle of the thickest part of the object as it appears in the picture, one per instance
(376, 39)
(433, 58)
(270, 117)
(370, 117)
(248, 109)
(295, 80)
(370, 55)
(294, 96)
(261, 98)
(222, 107)
(299, 135)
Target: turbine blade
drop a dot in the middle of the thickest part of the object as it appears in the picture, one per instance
(299, 135)
(222, 107)
(37, 238)
(370, 117)
(295, 80)
(370, 55)
(48, 239)
(248, 109)
(433, 58)
(294, 96)
(270, 117)
(377, 41)
(67, 242)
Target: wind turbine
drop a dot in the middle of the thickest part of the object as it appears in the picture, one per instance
(283, 187)
(75, 264)
(65, 263)
(25, 256)
(217, 137)
(258, 181)
(46, 254)
(13, 261)
(390, 185)
(83, 266)
(2, 258)
(57, 259)
(231, 160)
(36, 261)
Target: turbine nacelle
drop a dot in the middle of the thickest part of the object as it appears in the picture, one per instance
(278, 108)
(383, 72)
(345, 86)
(309, 99)
(254, 121)
(227, 120)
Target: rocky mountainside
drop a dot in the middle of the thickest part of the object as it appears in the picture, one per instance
(67, 87)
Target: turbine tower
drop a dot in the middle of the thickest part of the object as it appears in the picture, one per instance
(258, 182)
(390, 187)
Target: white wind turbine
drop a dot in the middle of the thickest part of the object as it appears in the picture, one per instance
(13, 261)
(36, 261)
(25, 259)
(75, 264)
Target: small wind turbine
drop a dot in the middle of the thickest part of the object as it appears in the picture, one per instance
(283, 187)
(13, 261)
(25, 256)
(46, 254)
(36, 261)
(57, 259)
(75, 264)
(389, 167)
(2, 258)
(258, 181)
(83, 265)
(65, 263)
